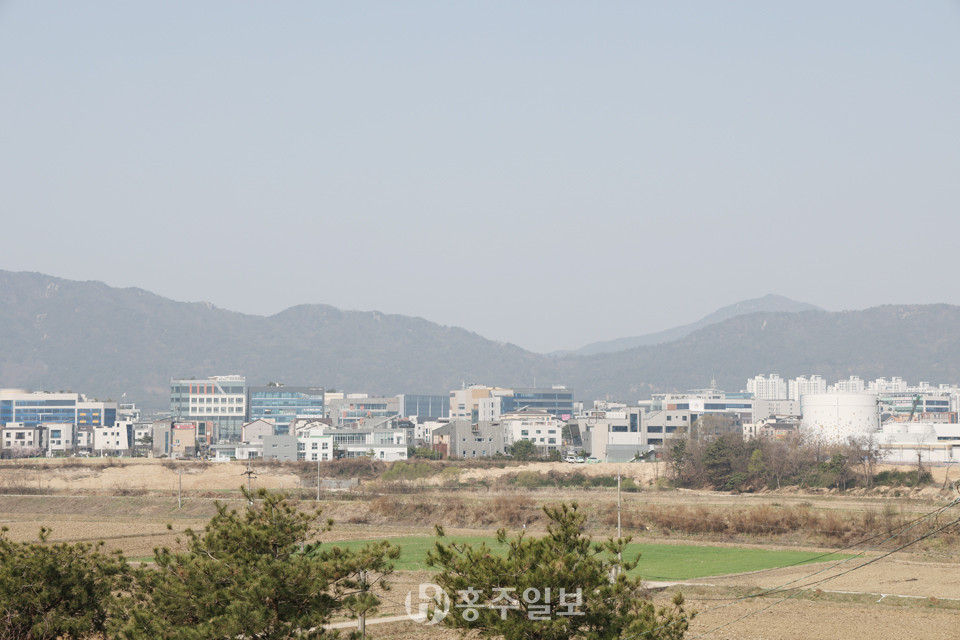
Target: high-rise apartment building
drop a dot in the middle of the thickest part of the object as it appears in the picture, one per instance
(772, 388)
(802, 386)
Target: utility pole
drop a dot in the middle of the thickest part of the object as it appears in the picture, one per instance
(318, 477)
(250, 475)
(179, 488)
(619, 555)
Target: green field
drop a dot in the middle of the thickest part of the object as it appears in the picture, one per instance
(657, 561)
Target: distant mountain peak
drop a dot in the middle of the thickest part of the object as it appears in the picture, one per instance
(770, 303)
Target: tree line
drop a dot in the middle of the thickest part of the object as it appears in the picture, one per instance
(263, 573)
(728, 462)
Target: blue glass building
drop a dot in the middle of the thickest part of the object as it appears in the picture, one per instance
(283, 404)
(35, 408)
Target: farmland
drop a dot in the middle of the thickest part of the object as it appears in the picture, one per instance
(721, 547)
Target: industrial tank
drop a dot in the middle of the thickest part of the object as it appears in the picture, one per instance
(837, 416)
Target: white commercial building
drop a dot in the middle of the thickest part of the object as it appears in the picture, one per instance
(910, 442)
(539, 427)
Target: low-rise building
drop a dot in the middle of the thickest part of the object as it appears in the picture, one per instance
(18, 440)
(115, 439)
(61, 440)
(464, 439)
(538, 426)
(257, 430)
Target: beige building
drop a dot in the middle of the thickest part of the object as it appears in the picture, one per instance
(477, 403)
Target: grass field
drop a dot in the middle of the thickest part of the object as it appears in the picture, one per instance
(657, 561)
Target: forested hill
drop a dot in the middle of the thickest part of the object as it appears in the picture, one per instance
(86, 336)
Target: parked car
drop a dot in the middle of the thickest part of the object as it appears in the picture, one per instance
(592, 460)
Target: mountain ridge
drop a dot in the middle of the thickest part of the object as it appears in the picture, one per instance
(89, 337)
(768, 303)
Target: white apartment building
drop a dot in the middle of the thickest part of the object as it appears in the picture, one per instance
(802, 385)
(772, 388)
(852, 385)
(881, 385)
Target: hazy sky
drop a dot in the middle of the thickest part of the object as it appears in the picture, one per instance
(543, 173)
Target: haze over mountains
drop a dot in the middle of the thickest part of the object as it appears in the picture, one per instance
(86, 336)
(769, 303)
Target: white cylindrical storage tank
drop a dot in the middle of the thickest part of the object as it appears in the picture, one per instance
(837, 416)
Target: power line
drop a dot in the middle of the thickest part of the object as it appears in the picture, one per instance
(800, 590)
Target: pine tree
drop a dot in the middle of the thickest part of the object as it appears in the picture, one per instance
(510, 590)
(56, 590)
(257, 574)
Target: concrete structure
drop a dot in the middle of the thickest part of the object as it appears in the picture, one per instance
(606, 442)
(162, 434)
(383, 443)
(763, 409)
(61, 439)
(84, 435)
(19, 440)
(479, 403)
(115, 439)
(464, 439)
(280, 447)
(556, 400)
(184, 440)
(236, 451)
(476, 403)
(424, 406)
(705, 401)
(315, 443)
(659, 427)
(834, 417)
(927, 442)
(537, 426)
(356, 409)
(257, 430)
(220, 401)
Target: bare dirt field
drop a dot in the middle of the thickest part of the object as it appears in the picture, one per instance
(912, 593)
